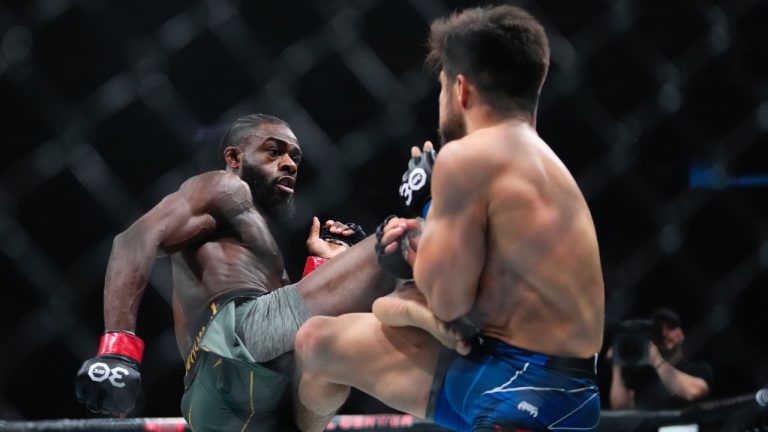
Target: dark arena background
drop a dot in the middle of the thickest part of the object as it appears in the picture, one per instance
(658, 108)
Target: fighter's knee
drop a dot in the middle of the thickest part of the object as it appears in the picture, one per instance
(314, 341)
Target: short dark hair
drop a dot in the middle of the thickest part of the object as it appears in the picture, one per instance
(240, 128)
(665, 316)
(502, 50)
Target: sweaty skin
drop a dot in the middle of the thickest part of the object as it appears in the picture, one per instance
(510, 243)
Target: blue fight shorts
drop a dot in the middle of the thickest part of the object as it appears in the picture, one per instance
(498, 387)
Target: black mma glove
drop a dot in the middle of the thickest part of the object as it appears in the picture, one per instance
(348, 241)
(414, 188)
(394, 263)
(357, 236)
(109, 383)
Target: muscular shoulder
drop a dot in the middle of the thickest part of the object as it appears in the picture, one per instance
(214, 187)
(218, 181)
(214, 183)
(464, 162)
(483, 159)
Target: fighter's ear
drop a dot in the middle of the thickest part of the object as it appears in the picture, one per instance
(233, 157)
(461, 86)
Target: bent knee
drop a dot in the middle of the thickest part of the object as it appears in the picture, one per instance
(314, 342)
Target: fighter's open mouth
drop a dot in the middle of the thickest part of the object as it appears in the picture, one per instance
(286, 184)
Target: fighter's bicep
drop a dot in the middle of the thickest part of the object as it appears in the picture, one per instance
(175, 223)
(452, 249)
(458, 217)
(448, 265)
(453, 241)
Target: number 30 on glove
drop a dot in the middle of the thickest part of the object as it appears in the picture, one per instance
(415, 185)
(109, 383)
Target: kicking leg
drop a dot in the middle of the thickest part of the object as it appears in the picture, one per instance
(349, 282)
(324, 400)
(394, 365)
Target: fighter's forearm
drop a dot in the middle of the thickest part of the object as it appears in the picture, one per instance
(442, 299)
(448, 279)
(130, 263)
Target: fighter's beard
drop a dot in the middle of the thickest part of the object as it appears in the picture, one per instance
(263, 192)
(452, 128)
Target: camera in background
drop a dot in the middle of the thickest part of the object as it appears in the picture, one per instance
(630, 343)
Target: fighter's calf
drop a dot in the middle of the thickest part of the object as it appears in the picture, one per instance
(317, 392)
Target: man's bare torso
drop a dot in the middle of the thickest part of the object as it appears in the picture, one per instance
(222, 263)
(541, 287)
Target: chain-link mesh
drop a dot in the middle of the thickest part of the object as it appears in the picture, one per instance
(660, 109)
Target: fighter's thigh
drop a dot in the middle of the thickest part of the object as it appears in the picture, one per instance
(395, 365)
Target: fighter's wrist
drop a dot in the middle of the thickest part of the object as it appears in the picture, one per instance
(393, 263)
(357, 235)
(425, 209)
(339, 242)
(123, 343)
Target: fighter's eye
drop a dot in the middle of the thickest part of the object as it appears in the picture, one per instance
(275, 152)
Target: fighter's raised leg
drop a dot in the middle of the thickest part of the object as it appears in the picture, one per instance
(393, 364)
(349, 282)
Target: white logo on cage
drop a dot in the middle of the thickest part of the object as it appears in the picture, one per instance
(530, 409)
(100, 371)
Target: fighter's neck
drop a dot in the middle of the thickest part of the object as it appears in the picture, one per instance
(483, 118)
(479, 121)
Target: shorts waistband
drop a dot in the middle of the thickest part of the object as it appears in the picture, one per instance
(238, 296)
(574, 366)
